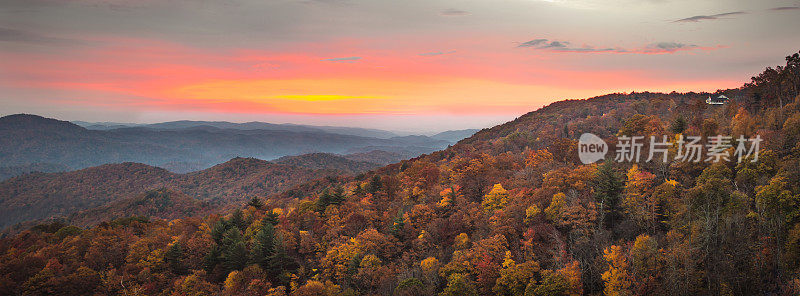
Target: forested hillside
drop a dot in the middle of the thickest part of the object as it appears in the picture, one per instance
(509, 211)
(40, 195)
(162, 203)
(328, 161)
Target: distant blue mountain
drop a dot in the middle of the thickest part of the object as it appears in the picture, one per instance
(184, 146)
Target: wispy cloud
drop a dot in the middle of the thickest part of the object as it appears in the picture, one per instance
(698, 18)
(668, 47)
(344, 59)
(436, 53)
(785, 8)
(654, 48)
(556, 44)
(532, 43)
(454, 12)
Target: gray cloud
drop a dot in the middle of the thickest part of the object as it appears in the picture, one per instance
(545, 44)
(785, 8)
(532, 43)
(15, 35)
(556, 44)
(698, 18)
(563, 46)
(344, 59)
(436, 53)
(454, 12)
(668, 47)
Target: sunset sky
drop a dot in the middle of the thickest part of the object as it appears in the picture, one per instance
(418, 66)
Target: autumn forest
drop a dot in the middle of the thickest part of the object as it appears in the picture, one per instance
(510, 210)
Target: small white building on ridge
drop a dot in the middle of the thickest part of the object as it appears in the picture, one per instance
(720, 100)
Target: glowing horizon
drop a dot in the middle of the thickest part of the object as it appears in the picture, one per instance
(478, 63)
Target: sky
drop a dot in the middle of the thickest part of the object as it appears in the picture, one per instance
(414, 66)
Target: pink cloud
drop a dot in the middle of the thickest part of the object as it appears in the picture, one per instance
(157, 72)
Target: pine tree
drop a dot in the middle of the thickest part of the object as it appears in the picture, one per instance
(280, 264)
(608, 186)
(271, 218)
(263, 246)
(173, 258)
(234, 253)
(256, 203)
(219, 229)
(212, 259)
(678, 125)
(330, 197)
(237, 220)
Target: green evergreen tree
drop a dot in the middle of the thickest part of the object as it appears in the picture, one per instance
(219, 229)
(678, 125)
(234, 253)
(263, 246)
(212, 259)
(608, 186)
(173, 258)
(280, 264)
(330, 197)
(237, 220)
(256, 203)
(271, 218)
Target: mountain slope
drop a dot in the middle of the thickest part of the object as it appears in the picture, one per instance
(163, 203)
(319, 161)
(455, 136)
(376, 156)
(240, 179)
(45, 195)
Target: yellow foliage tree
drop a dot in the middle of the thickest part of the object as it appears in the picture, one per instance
(496, 199)
(461, 242)
(447, 197)
(531, 213)
(429, 266)
(641, 206)
(459, 285)
(317, 288)
(336, 262)
(556, 207)
(616, 277)
(572, 273)
(233, 283)
(370, 261)
(514, 278)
